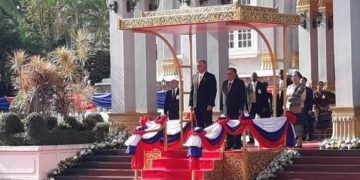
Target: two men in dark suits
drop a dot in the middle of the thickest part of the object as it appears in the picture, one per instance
(257, 99)
(202, 95)
(307, 110)
(171, 105)
(232, 102)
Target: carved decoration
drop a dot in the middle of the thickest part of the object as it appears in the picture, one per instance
(217, 173)
(149, 157)
(233, 166)
(223, 13)
(346, 125)
(258, 160)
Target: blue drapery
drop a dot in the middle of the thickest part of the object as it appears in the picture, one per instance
(104, 100)
(160, 99)
(4, 104)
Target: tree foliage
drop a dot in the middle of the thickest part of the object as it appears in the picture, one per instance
(51, 83)
(39, 26)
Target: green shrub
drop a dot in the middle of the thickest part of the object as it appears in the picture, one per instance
(64, 126)
(37, 129)
(96, 116)
(11, 124)
(74, 124)
(11, 130)
(70, 136)
(89, 123)
(51, 122)
(13, 140)
(101, 131)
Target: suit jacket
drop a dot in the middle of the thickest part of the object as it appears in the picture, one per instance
(309, 100)
(171, 105)
(261, 96)
(233, 100)
(203, 94)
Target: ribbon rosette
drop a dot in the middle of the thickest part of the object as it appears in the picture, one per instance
(195, 150)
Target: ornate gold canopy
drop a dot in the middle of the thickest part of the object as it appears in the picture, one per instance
(207, 19)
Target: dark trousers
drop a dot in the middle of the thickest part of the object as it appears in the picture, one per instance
(257, 109)
(173, 115)
(308, 125)
(203, 117)
(233, 141)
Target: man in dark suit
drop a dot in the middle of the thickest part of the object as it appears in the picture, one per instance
(269, 100)
(257, 99)
(171, 105)
(280, 94)
(307, 110)
(232, 102)
(202, 95)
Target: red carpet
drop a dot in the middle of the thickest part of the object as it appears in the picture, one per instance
(175, 165)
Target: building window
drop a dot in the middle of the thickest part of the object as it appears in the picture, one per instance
(243, 39)
(231, 39)
(244, 1)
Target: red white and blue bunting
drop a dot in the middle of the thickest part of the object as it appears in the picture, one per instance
(269, 132)
(142, 141)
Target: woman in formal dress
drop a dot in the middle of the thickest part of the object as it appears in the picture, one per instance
(296, 96)
(322, 102)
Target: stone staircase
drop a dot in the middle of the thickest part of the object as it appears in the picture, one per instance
(104, 164)
(324, 164)
(114, 164)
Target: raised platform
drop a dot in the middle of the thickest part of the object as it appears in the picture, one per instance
(215, 165)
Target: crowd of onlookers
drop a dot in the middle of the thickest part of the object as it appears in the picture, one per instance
(311, 107)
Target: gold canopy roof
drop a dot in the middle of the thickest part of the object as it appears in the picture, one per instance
(208, 19)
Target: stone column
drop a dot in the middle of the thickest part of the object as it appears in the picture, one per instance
(122, 68)
(217, 57)
(346, 114)
(218, 60)
(199, 52)
(326, 45)
(163, 51)
(122, 63)
(287, 7)
(145, 67)
(308, 63)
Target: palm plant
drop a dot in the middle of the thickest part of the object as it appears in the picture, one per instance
(52, 82)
